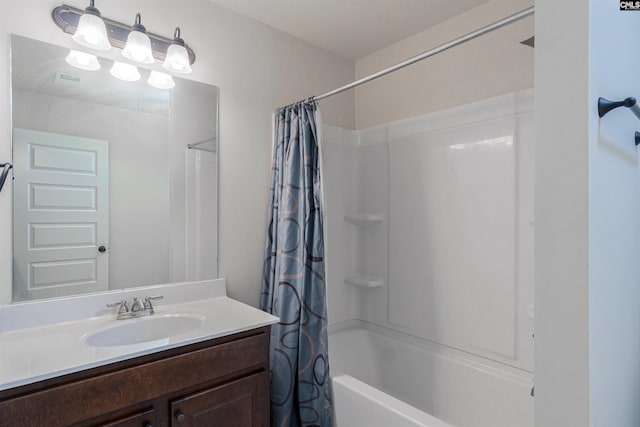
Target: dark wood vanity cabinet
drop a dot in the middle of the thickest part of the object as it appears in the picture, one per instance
(222, 382)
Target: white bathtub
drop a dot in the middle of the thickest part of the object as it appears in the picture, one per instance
(357, 404)
(384, 378)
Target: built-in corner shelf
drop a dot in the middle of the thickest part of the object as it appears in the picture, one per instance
(364, 281)
(363, 219)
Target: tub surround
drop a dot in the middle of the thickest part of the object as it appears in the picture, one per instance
(46, 339)
(451, 253)
(452, 385)
(453, 249)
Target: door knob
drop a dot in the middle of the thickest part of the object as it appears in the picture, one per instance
(102, 249)
(180, 416)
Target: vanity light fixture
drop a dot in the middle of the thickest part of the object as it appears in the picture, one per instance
(126, 72)
(82, 60)
(91, 31)
(171, 51)
(138, 47)
(177, 59)
(160, 80)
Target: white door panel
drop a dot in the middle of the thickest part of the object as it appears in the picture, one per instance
(49, 197)
(43, 236)
(61, 214)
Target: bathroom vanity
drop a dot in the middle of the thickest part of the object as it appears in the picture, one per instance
(214, 373)
(217, 382)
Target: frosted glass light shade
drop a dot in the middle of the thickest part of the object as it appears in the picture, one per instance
(84, 61)
(161, 80)
(138, 47)
(126, 72)
(91, 32)
(177, 60)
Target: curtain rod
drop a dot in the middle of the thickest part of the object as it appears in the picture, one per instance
(460, 40)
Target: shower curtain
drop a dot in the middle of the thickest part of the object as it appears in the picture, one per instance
(293, 285)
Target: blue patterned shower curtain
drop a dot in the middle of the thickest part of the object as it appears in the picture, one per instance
(293, 286)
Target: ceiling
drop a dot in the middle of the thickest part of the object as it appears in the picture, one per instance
(350, 28)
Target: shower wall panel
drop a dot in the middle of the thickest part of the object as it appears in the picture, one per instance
(452, 239)
(453, 242)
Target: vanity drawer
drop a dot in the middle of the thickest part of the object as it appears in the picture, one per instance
(82, 400)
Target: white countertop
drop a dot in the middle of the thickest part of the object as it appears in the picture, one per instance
(47, 351)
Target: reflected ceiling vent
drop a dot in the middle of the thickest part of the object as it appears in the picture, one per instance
(67, 79)
(529, 42)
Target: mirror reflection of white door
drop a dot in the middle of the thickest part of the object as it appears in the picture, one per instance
(61, 214)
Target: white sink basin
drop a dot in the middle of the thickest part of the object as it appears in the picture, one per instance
(145, 329)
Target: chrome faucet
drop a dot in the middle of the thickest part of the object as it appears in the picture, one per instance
(138, 308)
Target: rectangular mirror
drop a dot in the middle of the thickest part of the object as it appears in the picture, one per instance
(115, 182)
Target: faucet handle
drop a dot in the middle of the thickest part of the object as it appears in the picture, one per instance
(147, 302)
(122, 306)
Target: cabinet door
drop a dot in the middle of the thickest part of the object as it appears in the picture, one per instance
(241, 403)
